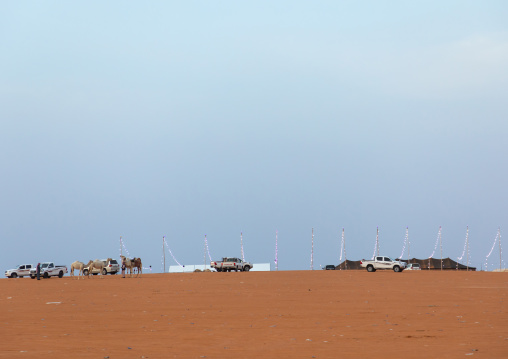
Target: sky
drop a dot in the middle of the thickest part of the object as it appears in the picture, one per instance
(145, 120)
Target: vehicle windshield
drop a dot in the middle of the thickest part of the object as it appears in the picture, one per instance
(44, 265)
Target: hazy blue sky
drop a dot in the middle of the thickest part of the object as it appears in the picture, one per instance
(180, 119)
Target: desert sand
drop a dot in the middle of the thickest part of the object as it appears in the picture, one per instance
(284, 314)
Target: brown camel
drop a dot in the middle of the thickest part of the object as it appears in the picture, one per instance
(131, 264)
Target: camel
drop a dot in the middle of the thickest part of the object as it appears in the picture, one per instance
(133, 263)
(77, 265)
(138, 265)
(96, 264)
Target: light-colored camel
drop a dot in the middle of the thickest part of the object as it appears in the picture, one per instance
(79, 266)
(133, 263)
(96, 264)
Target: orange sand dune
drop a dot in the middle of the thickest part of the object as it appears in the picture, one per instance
(285, 314)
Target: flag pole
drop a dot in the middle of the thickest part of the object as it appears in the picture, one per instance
(312, 252)
(164, 253)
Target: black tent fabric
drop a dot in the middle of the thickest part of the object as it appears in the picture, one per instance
(349, 265)
(429, 263)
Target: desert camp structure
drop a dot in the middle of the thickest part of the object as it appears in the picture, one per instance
(429, 264)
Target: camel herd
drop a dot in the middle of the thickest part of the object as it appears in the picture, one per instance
(130, 264)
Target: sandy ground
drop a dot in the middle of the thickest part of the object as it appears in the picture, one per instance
(285, 314)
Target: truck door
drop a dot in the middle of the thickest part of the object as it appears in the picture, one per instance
(387, 263)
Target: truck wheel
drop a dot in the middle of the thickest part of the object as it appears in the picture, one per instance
(32, 276)
(46, 275)
(60, 275)
(246, 268)
(104, 272)
(85, 272)
(370, 268)
(14, 275)
(396, 269)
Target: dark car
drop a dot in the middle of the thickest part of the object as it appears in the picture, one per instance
(329, 267)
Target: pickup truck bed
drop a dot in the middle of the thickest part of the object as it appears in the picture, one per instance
(49, 269)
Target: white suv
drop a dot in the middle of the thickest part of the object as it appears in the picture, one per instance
(111, 266)
(413, 266)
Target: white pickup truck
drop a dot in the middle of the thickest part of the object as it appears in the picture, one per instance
(49, 269)
(20, 271)
(229, 264)
(383, 263)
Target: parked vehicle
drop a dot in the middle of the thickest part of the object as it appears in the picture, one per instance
(329, 267)
(413, 266)
(229, 264)
(20, 271)
(383, 263)
(111, 266)
(49, 269)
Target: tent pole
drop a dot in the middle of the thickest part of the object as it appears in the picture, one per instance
(345, 257)
(312, 252)
(377, 241)
(276, 252)
(441, 248)
(467, 253)
(408, 246)
(500, 253)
